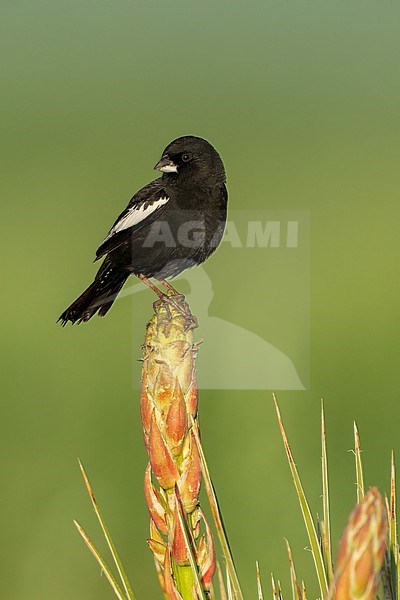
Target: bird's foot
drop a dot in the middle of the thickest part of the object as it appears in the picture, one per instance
(173, 298)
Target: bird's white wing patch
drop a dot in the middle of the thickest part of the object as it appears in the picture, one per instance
(135, 215)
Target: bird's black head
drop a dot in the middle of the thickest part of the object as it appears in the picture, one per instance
(193, 159)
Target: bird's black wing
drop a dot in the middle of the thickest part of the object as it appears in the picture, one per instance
(149, 201)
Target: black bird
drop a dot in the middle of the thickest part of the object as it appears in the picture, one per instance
(173, 223)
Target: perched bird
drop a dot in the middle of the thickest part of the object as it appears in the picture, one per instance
(173, 223)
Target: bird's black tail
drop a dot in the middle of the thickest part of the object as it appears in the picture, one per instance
(98, 297)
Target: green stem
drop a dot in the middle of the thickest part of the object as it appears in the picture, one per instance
(184, 579)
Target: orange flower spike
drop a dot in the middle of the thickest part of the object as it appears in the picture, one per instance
(154, 501)
(162, 463)
(176, 423)
(362, 550)
(169, 401)
(189, 483)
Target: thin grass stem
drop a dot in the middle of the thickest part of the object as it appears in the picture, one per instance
(296, 593)
(393, 543)
(305, 509)
(229, 585)
(359, 466)
(107, 572)
(221, 532)
(221, 583)
(274, 592)
(326, 537)
(121, 571)
(259, 588)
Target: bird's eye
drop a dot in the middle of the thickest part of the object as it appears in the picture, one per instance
(186, 157)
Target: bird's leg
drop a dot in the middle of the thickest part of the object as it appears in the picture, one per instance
(151, 285)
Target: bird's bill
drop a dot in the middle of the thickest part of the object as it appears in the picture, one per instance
(166, 165)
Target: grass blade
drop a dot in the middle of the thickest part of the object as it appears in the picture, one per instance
(229, 585)
(121, 571)
(359, 467)
(274, 592)
(388, 574)
(221, 532)
(326, 537)
(392, 509)
(303, 591)
(393, 543)
(398, 572)
(222, 589)
(305, 509)
(296, 593)
(259, 588)
(111, 579)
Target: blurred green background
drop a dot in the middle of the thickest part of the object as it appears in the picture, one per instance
(302, 101)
